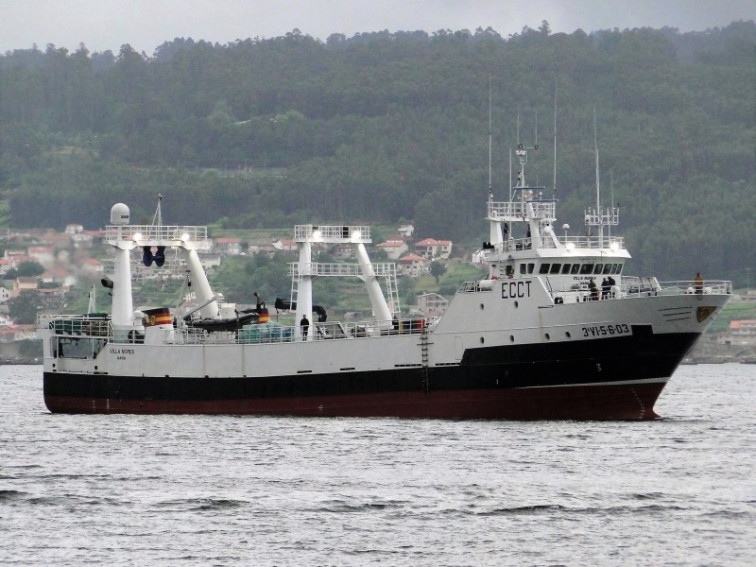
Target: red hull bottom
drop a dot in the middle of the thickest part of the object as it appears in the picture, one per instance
(606, 402)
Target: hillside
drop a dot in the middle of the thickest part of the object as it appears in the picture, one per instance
(387, 127)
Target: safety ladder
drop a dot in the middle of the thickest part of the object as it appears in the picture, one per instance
(392, 289)
(424, 359)
(295, 279)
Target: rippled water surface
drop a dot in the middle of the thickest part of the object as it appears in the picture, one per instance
(199, 491)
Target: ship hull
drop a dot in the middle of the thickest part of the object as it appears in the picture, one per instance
(614, 378)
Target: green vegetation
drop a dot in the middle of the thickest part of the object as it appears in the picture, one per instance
(734, 310)
(383, 127)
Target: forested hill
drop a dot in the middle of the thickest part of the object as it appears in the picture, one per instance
(383, 127)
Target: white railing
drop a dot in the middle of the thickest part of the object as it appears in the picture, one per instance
(75, 325)
(78, 326)
(345, 233)
(628, 287)
(602, 216)
(706, 287)
(593, 242)
(520, 210)
(335, 269)
(154, 233)
(612, 243)
(478, 286)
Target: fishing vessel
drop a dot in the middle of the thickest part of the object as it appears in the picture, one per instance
(554, 330)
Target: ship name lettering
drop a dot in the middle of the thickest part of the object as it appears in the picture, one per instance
(121, 351)
(606, 330)
(511, 290)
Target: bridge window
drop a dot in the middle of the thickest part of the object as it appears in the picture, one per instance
(598, 268)
(586, 269)
(566, 268)
(544, 269)
(555, 268)
(575, 269)
(608, 268)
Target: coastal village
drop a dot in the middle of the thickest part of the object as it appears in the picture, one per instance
(78, 258)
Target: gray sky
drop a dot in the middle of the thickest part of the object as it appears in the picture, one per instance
(145, 24)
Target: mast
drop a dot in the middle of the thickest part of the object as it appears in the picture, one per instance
(598, 184)
(490, 143)
(599, 216)
(554, 181)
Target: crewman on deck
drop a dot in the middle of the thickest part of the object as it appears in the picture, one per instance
(698, 283)
(305, 326)
(606, 288)
(593, 289)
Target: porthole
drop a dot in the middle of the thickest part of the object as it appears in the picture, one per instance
(516, 304)
(482, 340)
(511, 338)
(547, 336)
(567, 334)
(482, 307)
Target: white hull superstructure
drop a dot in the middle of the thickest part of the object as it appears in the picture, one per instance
(555, 330)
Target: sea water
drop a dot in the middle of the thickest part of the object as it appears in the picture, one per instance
(199, 490)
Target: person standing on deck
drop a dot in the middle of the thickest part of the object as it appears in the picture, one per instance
(605, 288)
(305, 326)
(698, 283)
(593, 289)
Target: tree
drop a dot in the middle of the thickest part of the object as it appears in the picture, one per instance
(25, 270)
(23, 308)
(437, 269)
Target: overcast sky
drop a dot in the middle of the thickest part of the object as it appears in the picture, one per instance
(145, 24)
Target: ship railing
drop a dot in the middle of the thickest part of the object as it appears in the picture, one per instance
(273, 333)
(89, 325)
(612, 243)
(339, 269)
(637, 287)
(691, 287)
(147, 233)
(346, 233)
(634, 287)
(630, 286)
(514, 244)
(592, 242)
(477, 286)
(515, 211)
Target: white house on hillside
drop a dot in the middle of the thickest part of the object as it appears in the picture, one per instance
(413, 265)
(434, 249)
(228, 245)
